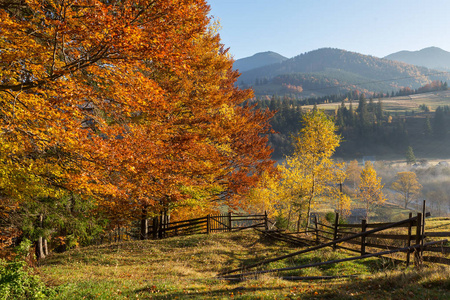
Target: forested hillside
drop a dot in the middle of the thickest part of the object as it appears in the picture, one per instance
(333, 71)
(258, 60)
(369, 126)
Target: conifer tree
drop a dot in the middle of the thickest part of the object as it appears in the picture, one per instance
(427, 127)
(410, 157)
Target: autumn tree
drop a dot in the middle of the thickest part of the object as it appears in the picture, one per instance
(131, 105)
(309, 173)
(370, 189)
(408, 186)
(342, 200)
(268, 196)
(58, 107)
(353, 172)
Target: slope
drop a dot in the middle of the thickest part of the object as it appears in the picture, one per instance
(326, 71)
(258, 60)
(431, 57)
(185, 268)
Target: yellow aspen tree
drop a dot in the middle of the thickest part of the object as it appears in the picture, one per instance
(343, 202)
(267, 195)
(353, 172)
(408, 186)
(370, 188)
(309, 173)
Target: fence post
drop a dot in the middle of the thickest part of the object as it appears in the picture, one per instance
(208, 224)
(423, 227)
(417, 256)
(266, 223)
(229, 221)
(317, 229)
(363, 237)
(408, 253)
(336, 224)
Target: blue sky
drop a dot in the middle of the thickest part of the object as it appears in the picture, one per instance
(292, 27)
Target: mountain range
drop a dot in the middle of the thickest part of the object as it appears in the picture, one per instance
(431, 57)
(332, 71)
(258, 60)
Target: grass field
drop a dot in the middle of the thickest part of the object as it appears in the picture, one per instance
(400, 104)
(186, 268)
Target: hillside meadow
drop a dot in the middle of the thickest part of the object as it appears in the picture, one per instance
(187, 268)
(399, 104)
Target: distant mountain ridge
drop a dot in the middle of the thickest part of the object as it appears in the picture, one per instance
(258, 60)
(332, 71)
(431, 57)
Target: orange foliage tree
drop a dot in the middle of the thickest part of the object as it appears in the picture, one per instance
(132, 104)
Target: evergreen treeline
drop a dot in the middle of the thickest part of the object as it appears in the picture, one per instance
(365, 126)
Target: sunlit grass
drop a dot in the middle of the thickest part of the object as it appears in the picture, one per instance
(399, 104)
(186, 268)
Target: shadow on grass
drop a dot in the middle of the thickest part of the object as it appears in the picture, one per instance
(191, 293)
(412, 284)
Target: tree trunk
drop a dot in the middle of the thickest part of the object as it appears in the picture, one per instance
(313, 190)
(308, 214)
(45, 247)
(289, 217)
(40, 242)
(299, 221)
(144, 225)
(406, 199)
(155, 228)
(367, 211)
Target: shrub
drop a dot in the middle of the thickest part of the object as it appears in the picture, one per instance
(17, 283)
(330, 217)
(281, 222)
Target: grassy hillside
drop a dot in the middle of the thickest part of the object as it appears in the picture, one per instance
(400, 104)
(185, 268)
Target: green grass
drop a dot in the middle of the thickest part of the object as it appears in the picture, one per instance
(186, 268)
(400, 104)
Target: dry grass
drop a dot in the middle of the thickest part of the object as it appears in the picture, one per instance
(186, 267)
(399, 104)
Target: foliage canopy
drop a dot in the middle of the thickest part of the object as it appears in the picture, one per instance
(131, 105)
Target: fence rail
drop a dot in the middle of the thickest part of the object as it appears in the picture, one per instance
(365, 235)
(161, 228)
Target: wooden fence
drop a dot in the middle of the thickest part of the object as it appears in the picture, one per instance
(206, 225)
(364, 236)
(161, 227)
(402, 234)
